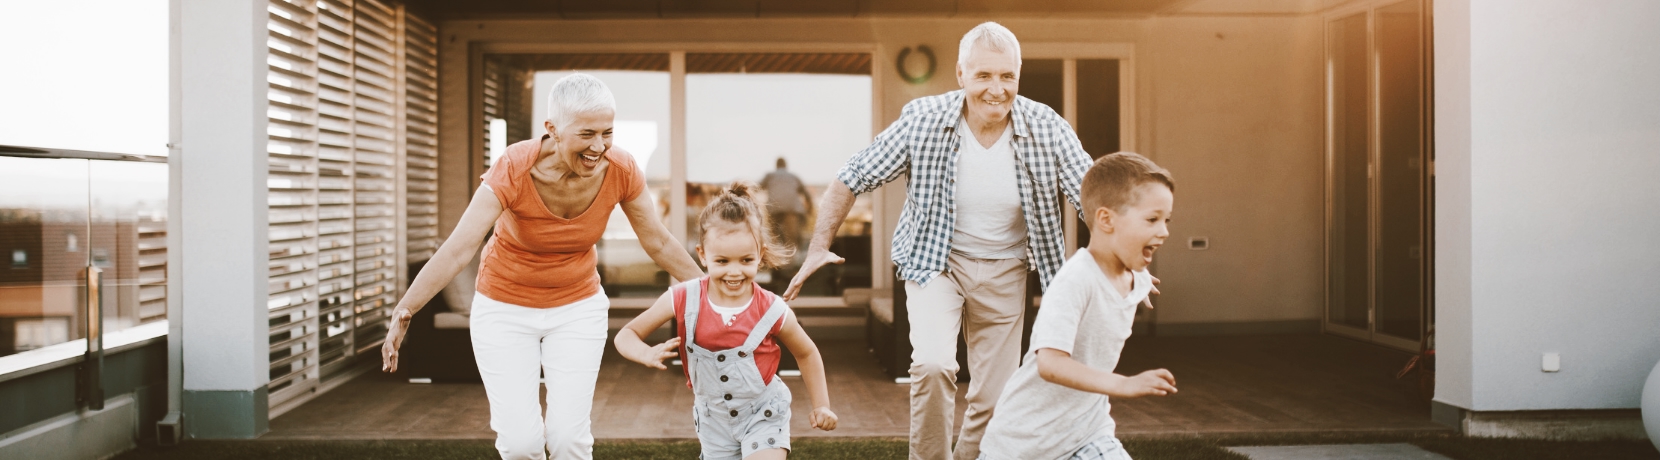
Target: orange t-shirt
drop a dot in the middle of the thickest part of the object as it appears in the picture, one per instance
(539, 260)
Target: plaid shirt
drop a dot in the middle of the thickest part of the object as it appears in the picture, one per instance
(923, 143)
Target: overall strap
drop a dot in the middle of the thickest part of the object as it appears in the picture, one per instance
(775, 313)
(693, 303)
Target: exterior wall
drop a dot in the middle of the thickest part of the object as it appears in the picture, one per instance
(1237, 118)
(1208, 107)
(1550, 149)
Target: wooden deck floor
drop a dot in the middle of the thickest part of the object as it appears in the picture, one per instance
(1228, 385)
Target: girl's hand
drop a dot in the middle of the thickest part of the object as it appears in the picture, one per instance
(823, 419)
(653, 357)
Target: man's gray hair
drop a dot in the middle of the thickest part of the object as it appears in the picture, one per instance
(988, 35)
(577, 94)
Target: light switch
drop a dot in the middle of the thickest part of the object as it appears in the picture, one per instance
(1551, 363)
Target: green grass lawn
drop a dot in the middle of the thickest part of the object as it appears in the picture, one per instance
(1161, 448)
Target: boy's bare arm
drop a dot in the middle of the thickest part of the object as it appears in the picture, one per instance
(630, 341)
(1059, 368)
(812, 371)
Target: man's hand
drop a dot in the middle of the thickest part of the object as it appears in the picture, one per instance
(395, 329)
(816, 258)
(653, 357)
(823, 419)
(1156, 382)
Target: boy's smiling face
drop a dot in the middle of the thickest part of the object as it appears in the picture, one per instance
(1133, 235)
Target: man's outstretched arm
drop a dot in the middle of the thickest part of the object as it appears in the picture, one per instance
(832, 210)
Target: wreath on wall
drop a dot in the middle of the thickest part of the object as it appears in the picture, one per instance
(916, 79)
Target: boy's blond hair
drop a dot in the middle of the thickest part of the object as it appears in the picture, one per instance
(1112, 180)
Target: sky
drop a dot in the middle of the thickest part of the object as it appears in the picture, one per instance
(737, 124)
(99, 86)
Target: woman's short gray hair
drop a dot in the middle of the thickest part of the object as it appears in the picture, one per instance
(988, 35)
(578, 93)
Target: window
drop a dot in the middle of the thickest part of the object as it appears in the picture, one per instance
(81, 206)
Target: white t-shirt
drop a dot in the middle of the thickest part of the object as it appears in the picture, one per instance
(990, 223)
(1083, 315)
(727, 314)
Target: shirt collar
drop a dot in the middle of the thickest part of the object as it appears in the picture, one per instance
(959, 101)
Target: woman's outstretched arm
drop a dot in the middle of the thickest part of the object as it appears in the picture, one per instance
(656, 240)
(452, 255)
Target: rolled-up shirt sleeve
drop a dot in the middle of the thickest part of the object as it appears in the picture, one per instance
(883, 161)
(1074, 163)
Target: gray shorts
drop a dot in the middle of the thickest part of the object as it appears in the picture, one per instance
(1099, 449)
(764, 425)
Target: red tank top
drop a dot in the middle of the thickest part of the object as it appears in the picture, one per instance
(713, 333)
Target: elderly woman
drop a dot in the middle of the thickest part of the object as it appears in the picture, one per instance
(539, 309)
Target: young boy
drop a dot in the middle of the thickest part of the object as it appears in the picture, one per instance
(1056, 405)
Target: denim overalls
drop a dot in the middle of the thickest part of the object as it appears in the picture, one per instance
(735, 413)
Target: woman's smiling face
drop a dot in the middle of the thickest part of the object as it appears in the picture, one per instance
(582, 143)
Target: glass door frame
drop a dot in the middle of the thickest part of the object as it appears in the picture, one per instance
(677, 130)
(1374, 151)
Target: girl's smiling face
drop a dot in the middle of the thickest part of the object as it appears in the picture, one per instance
(732, 255)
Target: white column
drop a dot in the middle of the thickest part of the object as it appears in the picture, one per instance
(219, 163)
(677, 145)
(1545, 202)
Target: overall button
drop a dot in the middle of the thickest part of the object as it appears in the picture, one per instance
(723, 378)
(769, 413)
(728, 396)
(721, 358)
(755, 445)
(770, 441)
(734, 413)
(743, 355)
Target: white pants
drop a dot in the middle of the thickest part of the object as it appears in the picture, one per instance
(514, 345)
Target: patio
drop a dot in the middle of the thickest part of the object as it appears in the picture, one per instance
(1284, 384)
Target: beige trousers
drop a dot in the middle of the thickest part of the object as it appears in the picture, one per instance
(982, 298)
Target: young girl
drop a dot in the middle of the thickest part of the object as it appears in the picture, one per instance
(731, 330)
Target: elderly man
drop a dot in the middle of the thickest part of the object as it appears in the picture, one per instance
(984, 166)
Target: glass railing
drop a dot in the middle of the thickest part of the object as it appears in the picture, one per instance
(70, 216)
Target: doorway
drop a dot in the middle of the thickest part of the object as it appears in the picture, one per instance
(1378, 176)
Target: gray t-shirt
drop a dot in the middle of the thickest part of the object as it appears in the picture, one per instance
(784, 192)
(1083, 315)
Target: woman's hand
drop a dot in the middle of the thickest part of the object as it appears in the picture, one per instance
(395, 329)
(823, 419)
(653, 357)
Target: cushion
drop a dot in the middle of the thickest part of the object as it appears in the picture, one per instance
(882, 308)
(459, 293)
(450, 320)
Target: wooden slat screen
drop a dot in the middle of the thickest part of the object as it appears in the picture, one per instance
(336, 118)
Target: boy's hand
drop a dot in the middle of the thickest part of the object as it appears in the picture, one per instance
(653, 357)
(1156, 382)
(823, 419)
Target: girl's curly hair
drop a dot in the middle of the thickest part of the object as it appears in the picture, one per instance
(736, 204)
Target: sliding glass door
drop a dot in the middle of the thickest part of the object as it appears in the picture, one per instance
(1378, 170)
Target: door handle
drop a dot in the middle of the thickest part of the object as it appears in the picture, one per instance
(92, 364)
